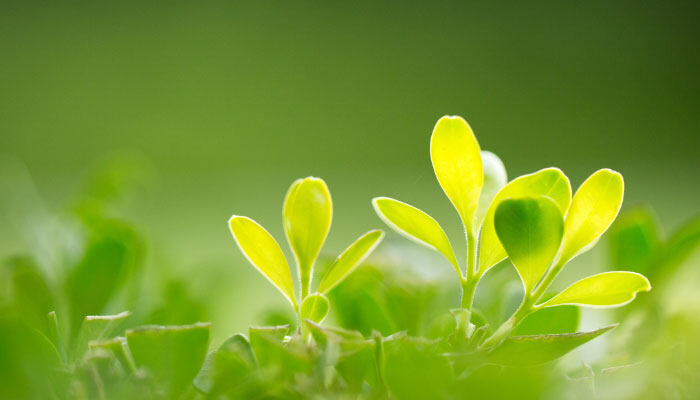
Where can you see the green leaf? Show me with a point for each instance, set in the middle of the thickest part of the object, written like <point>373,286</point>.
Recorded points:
<point>608,289</point>
<point>415,369</point>
<point>456,159</point>
<point>550,182</point>
<point>684,242</point>
<point>172,354</point>
<point>538,349</point>
<point>530,230</point>
<point>119,348</point>
<point>227,367</point>
<point>315,307</point>
<point>563,319</point>
<point>95,328</point>
<point>275,352</point>
<point>634,240</point>
<point>350,259</point>
<point>415,225</point>
<point>307,213</point>
<point>495,178</point>
<point>593,208</point>
<point>263,251</point>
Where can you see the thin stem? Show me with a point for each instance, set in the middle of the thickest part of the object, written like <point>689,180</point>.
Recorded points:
<point>548,279</point>
<point>468,290</point>
<point>503,331</point>
<point>471,254</point>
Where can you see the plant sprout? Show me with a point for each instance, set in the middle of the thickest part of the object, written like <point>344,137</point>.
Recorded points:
<point>532,220</point>
<point>307,215</point>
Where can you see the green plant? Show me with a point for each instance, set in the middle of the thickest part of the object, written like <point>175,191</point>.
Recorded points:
<point>307,215</point>
<point>531,220</point>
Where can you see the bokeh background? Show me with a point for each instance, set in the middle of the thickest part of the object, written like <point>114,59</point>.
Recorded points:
<point>216,108</point>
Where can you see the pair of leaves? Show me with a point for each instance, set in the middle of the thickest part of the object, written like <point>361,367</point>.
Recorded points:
<point>469,177</point>
<point>533,233</point>
<point>307,216</point>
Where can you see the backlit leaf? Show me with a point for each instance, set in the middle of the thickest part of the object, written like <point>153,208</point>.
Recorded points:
<point>550,182</point>
<point>456,159</point>
<point>530,230</point>
<point>414,224</point>
<point>263,251</point>
<point>538,349</point>
<point>350,259</point>
<point>563,319</point>
<point>495,178</point>
<point>593,208</point>
<point>608,289</point>
<point>315,307</point>
<point>307,214</point>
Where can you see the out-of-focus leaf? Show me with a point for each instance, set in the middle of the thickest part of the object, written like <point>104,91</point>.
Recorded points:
<point>350,259</point>
<point>307,214</point>
<point>56,335</point>
<point>178,306</point>
<point>456,159</point>
<point>30,292</point>
<point>538,349</point>
<point>263,251</point>
<point>113,253</point>
<point>549,182</point>
<point>119,349</point>
<point>680,245</point>
<point>277,354</point>
<point>634,240</point>
<point>495,178</point>
<point>315,307</point>
<point>562,319</point>
<point>593,208</point>
<point>415,225</point>
<point>608,289</point>
<point>530,230</point>
<point>172,354</point>
<point>414,368</point>
<point>227,368</point>
<point>96,327</point>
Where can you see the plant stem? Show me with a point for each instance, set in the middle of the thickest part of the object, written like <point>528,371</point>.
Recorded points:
<point>503,331</point>
<point>548,279</point>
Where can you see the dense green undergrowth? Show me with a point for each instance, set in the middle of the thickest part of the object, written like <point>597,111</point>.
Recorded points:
<point>364,325</point>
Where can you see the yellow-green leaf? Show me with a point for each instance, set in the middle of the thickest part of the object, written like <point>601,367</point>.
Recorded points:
<point>416,225</point>
<point>456,159</point>
<point>315,307</point>
<point>350,259</point>
<point>263,251</point>
<point>550,182</point>
<point>308,211</point>
<point>593,208</point>
<point>495,178</point>
<point>530,230</point>
<point>608,289</point>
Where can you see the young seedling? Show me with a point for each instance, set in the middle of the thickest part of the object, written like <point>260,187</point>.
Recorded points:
<point>522,220</point>
<point>307,215</point>
<point>539,242</point>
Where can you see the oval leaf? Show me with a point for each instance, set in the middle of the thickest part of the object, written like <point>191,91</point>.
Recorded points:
<point>350,259</point>
<point>416,225</point>
<point>315,307</point>
<point>307,213</point>
<point>456,159</point>
<point>261,249</point>
<point>593,208</point>
<point>550,182</point>
<point>608,289</point>
<point>495,178</point>
<point>530,230</point>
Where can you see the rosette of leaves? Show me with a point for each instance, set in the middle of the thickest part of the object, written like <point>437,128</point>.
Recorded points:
<point>307,215</point>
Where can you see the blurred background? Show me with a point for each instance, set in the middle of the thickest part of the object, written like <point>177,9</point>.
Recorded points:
<point>209,110</point>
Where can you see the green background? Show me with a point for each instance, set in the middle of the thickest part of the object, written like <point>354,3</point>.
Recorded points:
<point>227,103</point>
